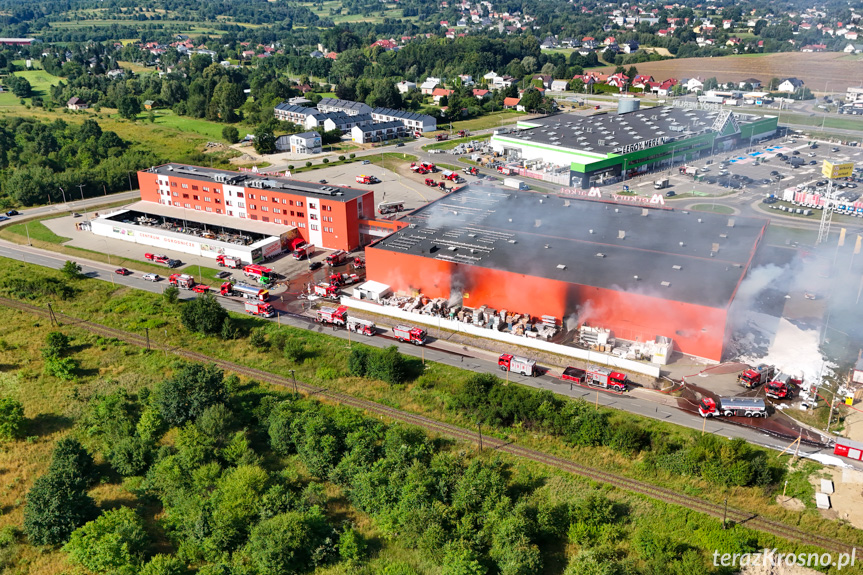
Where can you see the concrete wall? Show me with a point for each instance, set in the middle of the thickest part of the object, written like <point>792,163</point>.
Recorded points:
<point>586,355</point>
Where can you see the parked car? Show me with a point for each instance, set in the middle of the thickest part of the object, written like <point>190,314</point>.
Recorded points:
<point>670,194</point>
<point>151,277</point>
<point>365,162</point>
<point>12,213</point>
<point>122,271</point>
<point>315,265</point>
<point>222,275</point>
<point>76,215</point>
<point>3,218</point>
<point>400,145</point>
<point>174,263</point>
<point>322,181</point>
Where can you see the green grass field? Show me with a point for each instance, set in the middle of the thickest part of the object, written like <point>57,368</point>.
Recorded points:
<point>40,80</point>
<point>720,209</point>
<point>169,119</point>
<point>450,144</point>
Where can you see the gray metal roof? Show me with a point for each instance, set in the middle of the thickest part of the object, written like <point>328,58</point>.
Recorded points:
<point>603,133</point>
<point>262,182</point>
<point>694,257</point>
<point>403,115</point>
<point>380,126</point>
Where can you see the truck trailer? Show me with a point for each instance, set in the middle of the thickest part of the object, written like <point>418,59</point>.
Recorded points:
<point>514,183</point>
<point>244,290</point>
<point>733,406</point>
<point>515,364</point>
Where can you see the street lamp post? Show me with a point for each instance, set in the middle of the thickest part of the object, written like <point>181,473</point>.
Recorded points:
<point>64,194</point>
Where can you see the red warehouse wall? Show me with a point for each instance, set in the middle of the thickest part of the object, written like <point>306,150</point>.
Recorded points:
<point>696,330</point>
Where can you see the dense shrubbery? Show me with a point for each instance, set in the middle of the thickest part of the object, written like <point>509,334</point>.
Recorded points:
<point>384,364</point>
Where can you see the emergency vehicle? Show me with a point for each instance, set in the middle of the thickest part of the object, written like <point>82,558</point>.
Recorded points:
<point>228,261</point>
<point>332,315</point>
<point>515,364</point>
<point>756,376</point>
<point>200,288</point>
<point>244,290</point>
<point>362,326</point>
<point>326,290</point>
<point>304,250</point>
<point>733,406</point>
<point>783,386</point>
<point>363,179</point>
<point>343,279</point>
<point>337,258</point>
<point>183,281</point>
<point>260,308</point>
<point>606,378</point>
<point>390,207</point>
<point>260,273</point>
<point>410,334</point>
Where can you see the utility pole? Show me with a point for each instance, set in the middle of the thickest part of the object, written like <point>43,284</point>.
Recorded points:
<point>147,329</point>
<point>479,428</point>
<point>295,381</point>
<point>725,514</point>
<point>51,316</point>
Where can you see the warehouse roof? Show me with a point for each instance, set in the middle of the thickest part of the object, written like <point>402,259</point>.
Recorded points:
<point>610,133</point>
<point>693,257</point>
<point>261,181</point>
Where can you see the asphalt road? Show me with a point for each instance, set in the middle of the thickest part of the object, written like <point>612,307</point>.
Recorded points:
<point>638,402</point>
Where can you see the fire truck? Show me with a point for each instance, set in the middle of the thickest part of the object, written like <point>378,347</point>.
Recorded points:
<point>200,288</point>
<point>431,182</point>
<point>228,261</point>
<point>390,207</point>
<point>575,374</point>
<point>260,308</point>
<point>361,326</point>
<point>363,179</point>
<point>260,273</point>
<point>337,258</point>
<point>756,376</point>
<point>463,133</point>
<point>506,171</point>
<point>606,378</point>
<point>783,386</point>
<point>412,335</point>
<point>326,290</point>
<point>441,137</point>
<point>304,250</point>
<point>184,281</point>
<point>733,406</point>
<point>515,364</point>
<point>474,171</point>
<point>339,280</point>
<point>244,290</point>
<point>429,166</point>
<point>359,263</point>
<point>158,258</point>
<point>335,316</point>
<point>418,169</point>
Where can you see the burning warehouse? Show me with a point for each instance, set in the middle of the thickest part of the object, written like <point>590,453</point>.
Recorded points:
<point>641,272</point>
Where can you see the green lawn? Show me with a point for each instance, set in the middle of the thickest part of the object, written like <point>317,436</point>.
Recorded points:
<point>391,160</point>
<point>37,231</point>
<point>203,274</point>
<point>168,118</point>
<point>494,120</point>
<point>777,235</point>
<point>40,80</point>
<point>450,144</point>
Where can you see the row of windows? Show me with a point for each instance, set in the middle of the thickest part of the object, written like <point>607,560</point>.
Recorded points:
<point>297,203</point>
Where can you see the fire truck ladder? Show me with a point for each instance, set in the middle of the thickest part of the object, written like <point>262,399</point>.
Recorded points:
<point>827,214</point>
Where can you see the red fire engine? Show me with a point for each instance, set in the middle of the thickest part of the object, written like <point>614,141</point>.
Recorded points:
<point>429,166</point>
<point>184,281</point>
<point>515,364</point>
<point>260,273</point>
<point>158,258</point>
<point>337,258</point>
<point>228,261</point>
<point>335,316</point>
<point>361,326</point>
<point>606,378</point>
<point>359,263</point>
<point>413,335</point>
<point>260,308</point>
<point>451,176</point>
<point>200,288</point>
<point>363,179</point>
<point>326,290</point>
<point>463,133</point>
<point>339,280</point>
<point>474,171</point>
<point>756,376</point>
<point>783,386</point>
<point>733,406</point>
<point>304,250</point>
<point>441,137</point>
<point>418,169</point>
<point>431,182</point>
<point>244,290</point>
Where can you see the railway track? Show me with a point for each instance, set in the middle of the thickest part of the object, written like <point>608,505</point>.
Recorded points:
<point>488,442</point>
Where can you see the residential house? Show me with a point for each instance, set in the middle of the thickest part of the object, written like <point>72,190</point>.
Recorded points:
<point>790,85</point>
<point>511,103</point>
<point>813,48</point>
<point>481,94</point>
<point>663,33</point>
<point>247,54</point>
<point>429,85</point>
<point>76,103</point>
<point>589,43</point>
<point>316,54</point>
<point>549,43</point>
<point>559,85</point>
<point>439,93</point>
<point>385,44</point>
<point>503,82</point>
<point>853,49</point>
<point>664,88</point>
<point>347,106</point>
<point>489,77</point>
<point>641,80</point>
<point>854,95</point>
<point>404,86</point>
<point>149,104</point>
<point>378,132</point>
<point>629,47</point>
<point>466,80</point>
<point>345,123</point>
<point>726,24</point>
<point>619,81</point>
<point>117,73</point>
<point>303,143</point>
<point>415,123</point>
<point>754,82</point>
<point>315,120</point>
<point>331,55</point>
<point>285,112</point>
<point>298,101</point>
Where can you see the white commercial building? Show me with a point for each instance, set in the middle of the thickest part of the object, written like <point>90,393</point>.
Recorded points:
<point>304,143</point>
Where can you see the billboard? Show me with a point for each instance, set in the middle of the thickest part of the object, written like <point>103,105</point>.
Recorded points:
<point>831,170</point>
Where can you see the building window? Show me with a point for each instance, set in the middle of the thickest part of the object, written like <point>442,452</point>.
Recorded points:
<point>314,227</point>
<point>275,200</point>
<point>209,209</point>
<point>186,206</point>
<point>294,224</point>
<point>278,221</point>
<point>291,202</point>
<point>185,196</point>
<point>313,206</point>
<point>206,198</point>
<point>299,204</point>
<point>302,225</point>
<point>251,196</point>
<point>217,190</point>
<point>206,189</point>
<point>240,195</point>
<point>292,213</point>
<point>177,204</point>
<point>253,206</point>
<point>218,200</point>
<point>265,219</point>
<point>174,184</point>
<point>218,211</point>
<point>263,198</point>
<point>301,214</point>
<point>185,186</point>
<point>277,211</point>
<point>195,198</point>
<point>229,203</point>
<point>197,207</point>
<point>241,204</point>
<point>175,194</point>
<point>194,187</point>
<point>253,217</point>
<point>265,209</point>
<point>313,217</point>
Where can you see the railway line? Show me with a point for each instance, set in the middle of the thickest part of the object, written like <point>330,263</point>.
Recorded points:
<point>742,517</point>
